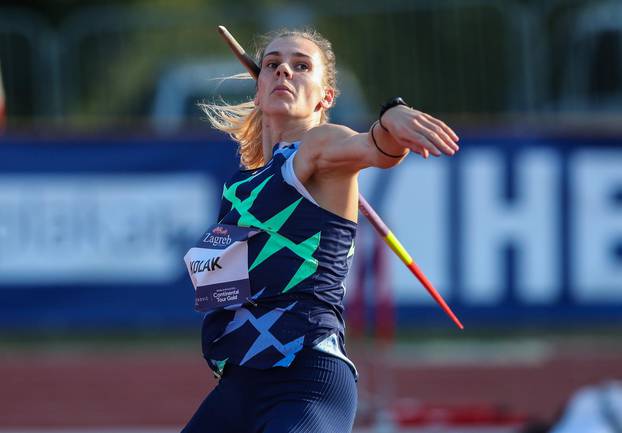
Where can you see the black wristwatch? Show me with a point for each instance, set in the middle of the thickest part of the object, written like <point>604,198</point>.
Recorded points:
<point>388,105</point>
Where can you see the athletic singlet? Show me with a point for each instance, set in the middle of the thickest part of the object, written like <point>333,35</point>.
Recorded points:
<point>297,264</point>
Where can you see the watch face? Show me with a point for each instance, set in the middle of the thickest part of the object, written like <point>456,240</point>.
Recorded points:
<point>392,103</point>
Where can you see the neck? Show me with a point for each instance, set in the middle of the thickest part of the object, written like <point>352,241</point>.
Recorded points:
<point>277,129</point>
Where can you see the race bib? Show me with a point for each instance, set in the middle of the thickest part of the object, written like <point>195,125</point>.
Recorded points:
<point>218,267</point>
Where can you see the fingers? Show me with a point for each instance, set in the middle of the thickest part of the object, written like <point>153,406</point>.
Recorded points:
<point>446,134</point>
<point>422,133</point>
<point>424,152</point>
<point>417,134</point>
<point>420,144</point>
<point>435,140</point>
<point>429,143</point>
<point>433,134</point>
<point>443,126</point>
<point>417,142</point>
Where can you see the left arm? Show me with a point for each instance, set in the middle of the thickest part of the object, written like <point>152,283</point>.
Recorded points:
<point>337,149</point>
<point>330,156</point>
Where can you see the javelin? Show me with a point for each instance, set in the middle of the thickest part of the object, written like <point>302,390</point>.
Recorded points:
<point>381,228</point>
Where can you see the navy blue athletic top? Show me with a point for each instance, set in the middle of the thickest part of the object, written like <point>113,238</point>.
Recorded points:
<point>297,266</point>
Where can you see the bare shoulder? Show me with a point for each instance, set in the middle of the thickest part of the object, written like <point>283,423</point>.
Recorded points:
<point>328,133</point>
<point>333,149</point>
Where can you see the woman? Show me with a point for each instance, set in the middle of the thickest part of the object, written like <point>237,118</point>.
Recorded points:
<point>270,274</point>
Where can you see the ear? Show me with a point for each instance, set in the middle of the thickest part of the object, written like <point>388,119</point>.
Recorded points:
<point>329,97</point>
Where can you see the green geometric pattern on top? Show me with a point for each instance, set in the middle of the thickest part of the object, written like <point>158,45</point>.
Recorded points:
<point>220,365</point>
<point>276,241</point>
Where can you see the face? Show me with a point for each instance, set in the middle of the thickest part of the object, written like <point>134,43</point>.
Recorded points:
<point>291,81</point>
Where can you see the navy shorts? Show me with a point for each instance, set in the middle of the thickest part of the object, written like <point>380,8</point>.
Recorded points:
<point>316,394</point>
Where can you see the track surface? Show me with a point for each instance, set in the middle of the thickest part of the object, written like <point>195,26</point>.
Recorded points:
<point>162,387</point>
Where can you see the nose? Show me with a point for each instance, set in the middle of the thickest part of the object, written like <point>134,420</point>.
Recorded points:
<point>284,69</point>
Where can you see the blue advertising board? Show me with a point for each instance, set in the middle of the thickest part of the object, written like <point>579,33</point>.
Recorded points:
<point>512,230</point>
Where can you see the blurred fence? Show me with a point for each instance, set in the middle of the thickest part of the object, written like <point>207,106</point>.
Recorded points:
<point>104,64</point>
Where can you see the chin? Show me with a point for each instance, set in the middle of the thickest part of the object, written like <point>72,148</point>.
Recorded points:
<point>278,109</point>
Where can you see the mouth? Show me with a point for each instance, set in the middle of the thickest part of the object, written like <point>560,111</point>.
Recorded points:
<point>282,89</point>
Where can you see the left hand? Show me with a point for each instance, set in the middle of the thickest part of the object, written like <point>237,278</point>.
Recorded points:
<point>420,132</point>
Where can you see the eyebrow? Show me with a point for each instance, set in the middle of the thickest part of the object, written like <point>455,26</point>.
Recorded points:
<point>278,53</point>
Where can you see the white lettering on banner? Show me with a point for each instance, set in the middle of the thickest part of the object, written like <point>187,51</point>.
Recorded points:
<point>93,228</point>
<point>596,221</point>
<point>529,223</point>
<point>418,213</point>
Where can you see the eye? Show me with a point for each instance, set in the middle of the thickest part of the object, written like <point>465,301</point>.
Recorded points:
<point>271,65</point>
<point>302,67</point>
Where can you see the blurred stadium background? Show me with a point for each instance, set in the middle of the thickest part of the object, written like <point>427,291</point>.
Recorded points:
<point>108,174</point>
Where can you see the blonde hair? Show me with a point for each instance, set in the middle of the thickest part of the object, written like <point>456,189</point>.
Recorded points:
<point>243,121</point>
